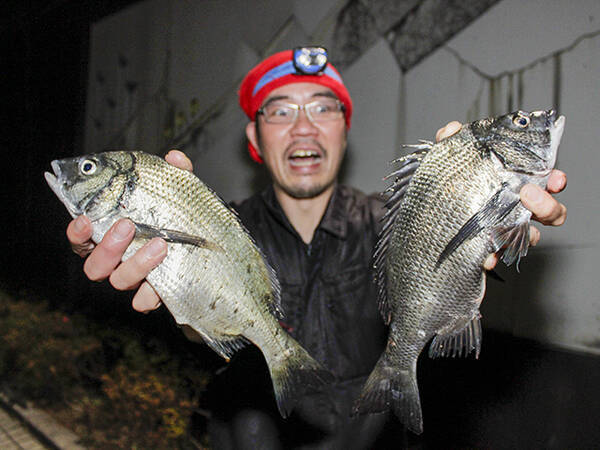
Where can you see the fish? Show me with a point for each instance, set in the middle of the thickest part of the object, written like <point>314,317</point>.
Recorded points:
<point>451,204</point>
<point>214,279</point>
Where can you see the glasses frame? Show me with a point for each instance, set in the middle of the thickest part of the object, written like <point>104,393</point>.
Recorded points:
<point>306,108</point>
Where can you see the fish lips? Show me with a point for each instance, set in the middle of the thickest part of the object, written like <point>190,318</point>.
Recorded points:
<point>556,131</point>
<point>546,120</point>
<point>57,184</point>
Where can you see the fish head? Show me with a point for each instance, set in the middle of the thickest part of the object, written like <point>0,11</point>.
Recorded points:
<point>523,141</point>
<point>92,185</point>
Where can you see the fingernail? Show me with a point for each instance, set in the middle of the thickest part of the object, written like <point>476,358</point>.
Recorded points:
<point>79,224</point>
<point>156,247</point>
<point>122,230</point>
<point>533,193</point>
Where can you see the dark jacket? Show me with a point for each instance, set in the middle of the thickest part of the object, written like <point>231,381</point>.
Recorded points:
<point>328,298</point>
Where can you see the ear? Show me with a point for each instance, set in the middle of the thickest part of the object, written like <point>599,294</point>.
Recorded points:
<point>252,136</point>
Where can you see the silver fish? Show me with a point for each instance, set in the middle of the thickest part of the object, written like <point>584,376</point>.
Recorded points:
<point>451,205</point>
<point>214,278</point>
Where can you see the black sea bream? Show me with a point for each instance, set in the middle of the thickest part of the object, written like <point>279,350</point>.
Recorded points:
<point>452,204</point>
<point>214,278</point>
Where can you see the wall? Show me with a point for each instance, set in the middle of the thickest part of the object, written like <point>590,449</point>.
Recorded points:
<point>556,297</point>
<point>188,58</point>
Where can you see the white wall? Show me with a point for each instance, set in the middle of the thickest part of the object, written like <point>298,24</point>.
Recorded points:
<point>213,43</point>
<point>556,297</point>
<point>190,51</point>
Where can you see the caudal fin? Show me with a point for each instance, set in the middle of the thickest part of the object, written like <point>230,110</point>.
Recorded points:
<point>293,375</point>
<point>390,387</point>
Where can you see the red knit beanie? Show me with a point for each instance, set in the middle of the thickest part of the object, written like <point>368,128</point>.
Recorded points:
<point>278,70</point>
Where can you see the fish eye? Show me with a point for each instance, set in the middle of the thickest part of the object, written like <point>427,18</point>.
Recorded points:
<point>88,167</point>
<point>521,121</point>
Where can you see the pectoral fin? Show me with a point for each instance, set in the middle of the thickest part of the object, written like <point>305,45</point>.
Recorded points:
<point>513,240</point>
<point>492,213</point>
<point>149,232</point>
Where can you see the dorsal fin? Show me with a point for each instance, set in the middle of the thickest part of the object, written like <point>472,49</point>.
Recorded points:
<point>395,193</point>
<point>274,301</point>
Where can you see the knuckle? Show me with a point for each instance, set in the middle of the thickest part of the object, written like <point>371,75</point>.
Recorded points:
<point>92,272</point>
<point>117,281</point>
<point>562,217</point>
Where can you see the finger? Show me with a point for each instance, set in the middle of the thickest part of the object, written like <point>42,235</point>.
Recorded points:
<point>557,181</point>
<point>131,272</point>
<point>145,299</point>
<point>534,236</point>
<point>545,208</point>
<point>179,159</point>
<point>447,131</point>
<point>107,255</point>
<point>79,234</point>
<point>490,262</point>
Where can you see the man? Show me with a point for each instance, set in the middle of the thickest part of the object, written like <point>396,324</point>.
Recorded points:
<point>318,235</point>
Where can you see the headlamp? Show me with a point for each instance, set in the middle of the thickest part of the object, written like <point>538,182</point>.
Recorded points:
<point>310,60</point>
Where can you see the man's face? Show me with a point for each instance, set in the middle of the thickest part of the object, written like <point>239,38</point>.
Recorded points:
<point>303,157</point>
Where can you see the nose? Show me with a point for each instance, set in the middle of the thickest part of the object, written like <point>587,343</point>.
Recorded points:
<point>303,125</point>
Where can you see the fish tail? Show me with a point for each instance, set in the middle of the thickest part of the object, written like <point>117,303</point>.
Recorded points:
<point>392,387</point>
<point>293,375</point>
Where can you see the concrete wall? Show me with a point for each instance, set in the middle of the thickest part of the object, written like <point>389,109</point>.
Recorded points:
<point>188,58</point>
<point>556,297</point>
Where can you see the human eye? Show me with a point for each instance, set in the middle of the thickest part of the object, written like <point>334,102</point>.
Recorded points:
<point>324,108</point>
<point>278,111</point>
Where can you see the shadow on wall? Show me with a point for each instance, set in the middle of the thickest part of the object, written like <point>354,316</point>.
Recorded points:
<point>516,305</point>
<point>532,317</point>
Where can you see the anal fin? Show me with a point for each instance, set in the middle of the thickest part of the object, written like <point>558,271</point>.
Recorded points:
<point>225,346</point>
<point>459,343</point>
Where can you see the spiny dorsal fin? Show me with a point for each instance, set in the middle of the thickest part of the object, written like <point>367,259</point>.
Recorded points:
<point>274,301</point>
<point>275,305</point>
<point>395,193</point>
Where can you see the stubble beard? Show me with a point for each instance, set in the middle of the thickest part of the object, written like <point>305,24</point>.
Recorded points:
<point>298,192</point>
<point>308,192</point>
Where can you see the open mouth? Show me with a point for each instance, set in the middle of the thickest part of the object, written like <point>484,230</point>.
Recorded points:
<point>55,183</point>
<point>52,180</point>
<point>303,158</point>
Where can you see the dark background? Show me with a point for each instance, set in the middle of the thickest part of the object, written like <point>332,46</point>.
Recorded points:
<point>45,56</point>
<point>520,394</point>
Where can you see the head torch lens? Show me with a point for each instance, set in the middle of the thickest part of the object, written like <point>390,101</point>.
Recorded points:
<point>310,60</point>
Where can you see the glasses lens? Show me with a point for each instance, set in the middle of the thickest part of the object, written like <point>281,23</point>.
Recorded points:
<point>318,111</point>
<point>279,113</point>
<point>325,109</point>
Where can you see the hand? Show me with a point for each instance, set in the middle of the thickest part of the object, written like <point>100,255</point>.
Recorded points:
<point>104,260</point>
<point>545,208</point>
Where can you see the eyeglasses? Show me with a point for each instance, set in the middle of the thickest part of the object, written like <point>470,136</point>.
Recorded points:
<point>321,110</point>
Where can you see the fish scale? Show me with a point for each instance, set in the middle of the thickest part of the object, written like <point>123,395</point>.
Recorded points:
<point>214,279</point>
<point>461,204</point>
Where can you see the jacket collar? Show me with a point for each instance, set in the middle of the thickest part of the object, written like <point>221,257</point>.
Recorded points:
<point>334,220</point>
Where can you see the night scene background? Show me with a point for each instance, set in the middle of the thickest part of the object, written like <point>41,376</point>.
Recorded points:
<point>84,76</point>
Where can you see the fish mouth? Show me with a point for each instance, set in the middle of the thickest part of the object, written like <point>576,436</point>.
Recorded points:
<point>556,131</point>
<point>58,187</point>
<point>559,124</point>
